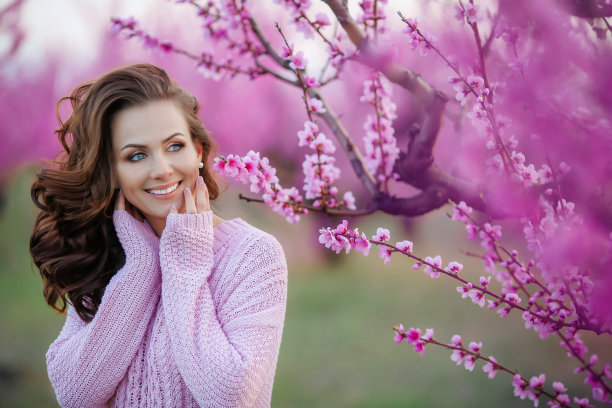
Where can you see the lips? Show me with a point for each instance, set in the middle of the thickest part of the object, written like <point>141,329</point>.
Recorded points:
<point>163,190</point>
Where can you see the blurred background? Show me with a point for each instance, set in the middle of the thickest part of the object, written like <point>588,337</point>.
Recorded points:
<point>338,348</point>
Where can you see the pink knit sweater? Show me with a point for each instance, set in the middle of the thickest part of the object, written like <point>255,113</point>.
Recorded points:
<point>192,319</point>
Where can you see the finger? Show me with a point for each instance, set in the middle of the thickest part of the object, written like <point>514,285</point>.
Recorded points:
<point>120,201</point>
<point>134,212</point>
<point>201,196</point>
<point>190,207</point>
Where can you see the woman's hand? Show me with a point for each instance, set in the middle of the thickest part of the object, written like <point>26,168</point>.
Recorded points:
<point>136,236</point>
<point>198,204</point>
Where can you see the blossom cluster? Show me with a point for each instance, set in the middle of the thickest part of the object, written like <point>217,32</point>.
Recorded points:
<point>380,143</point>
<point>209,64</point>
<point>262,177</point>
<point>559,304</point>
<point>531,389</point>
<point>319,169</point>
<point>373,16</point>
<point>310,26</point>
<point>421,40</point>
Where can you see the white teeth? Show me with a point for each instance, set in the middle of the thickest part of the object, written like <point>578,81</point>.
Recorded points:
<point>166,191</point>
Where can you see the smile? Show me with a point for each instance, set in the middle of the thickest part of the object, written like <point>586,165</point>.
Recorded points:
<point>164,191</point>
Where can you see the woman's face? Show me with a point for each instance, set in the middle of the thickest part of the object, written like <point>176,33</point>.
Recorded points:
<point>155,158</point>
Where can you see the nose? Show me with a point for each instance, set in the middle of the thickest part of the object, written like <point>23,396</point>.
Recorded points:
<point>162,168</point>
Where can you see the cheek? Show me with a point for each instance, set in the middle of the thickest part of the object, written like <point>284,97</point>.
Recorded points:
<point>128,178</point>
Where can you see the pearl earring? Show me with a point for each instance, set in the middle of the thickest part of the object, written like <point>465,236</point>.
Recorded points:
<point>201,165</point>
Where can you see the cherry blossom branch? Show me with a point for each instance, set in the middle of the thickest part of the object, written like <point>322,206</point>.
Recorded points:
<point>205,59</point>
<point>343,137</point>
<point>268,47</point>
<point>411,81</point>
<point>469,86</point>
<point>342,238</point>
<point>594,378</point>
<point>523,388</point>
<point>481,53</point>
<point>310,208</point>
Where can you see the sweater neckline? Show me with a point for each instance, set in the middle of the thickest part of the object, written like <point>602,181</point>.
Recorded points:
<point>226,230</point>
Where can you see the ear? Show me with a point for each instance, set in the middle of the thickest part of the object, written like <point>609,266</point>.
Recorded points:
<point>199,151</point>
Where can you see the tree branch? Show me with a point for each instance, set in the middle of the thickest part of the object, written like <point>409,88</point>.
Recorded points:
<point>267,46</point>
<point>409,80</point>
<point>587,8</point>
<point>429,199</point>
<point>328,211</point>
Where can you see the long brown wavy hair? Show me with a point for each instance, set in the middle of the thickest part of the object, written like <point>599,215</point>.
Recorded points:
<point>74,243</point>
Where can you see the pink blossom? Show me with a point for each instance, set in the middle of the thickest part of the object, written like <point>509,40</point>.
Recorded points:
<point>477,297</point>
<point>326,237</point>
<point>461,211</point>
<point>405,246</point>
<point>316,105</point>
<point>362,244</point>
<point>400,334</point>
<point>464,290</point>
<point>413,335</point>
<point>287,52</point>
<point>454,267</point>
<point>385,254</point>
<point>484,281</point>
<point>166,46</point>
<point>307,135</point>
<point>471,231</point>
<point>429,333</point>
<point>419,347</point>
<point>520,387</point>
<point>607,371</point>
<point>382,235</point>
<point>219,166</point>
<point>311,82</point>
<point>537,382</point>
<point>233,165</point>
<point>348,200</point>
<point>435,262</point>
<point>297,60</point>
<point>472,14</point>
<point>342,228</point>
<point>322,19</point>
<point>582,402</point>
<point>559,387</point>
<point>475,347</point>
<point>458,356</point>
<point>491,367</point>
<point>456,340</point>
<point>303,26</point>
<point>469,362</point>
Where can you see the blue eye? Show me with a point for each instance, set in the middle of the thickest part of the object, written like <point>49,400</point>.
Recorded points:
<point>176,146</point>
<point>136,157</point>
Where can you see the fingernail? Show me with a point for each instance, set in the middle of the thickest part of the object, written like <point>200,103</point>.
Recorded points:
<point>173,207</point>
<point>188,190</point>
<point>200,180</point>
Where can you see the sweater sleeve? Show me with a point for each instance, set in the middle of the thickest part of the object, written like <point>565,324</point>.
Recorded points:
<point>88,360</point>
<point>226,351</point>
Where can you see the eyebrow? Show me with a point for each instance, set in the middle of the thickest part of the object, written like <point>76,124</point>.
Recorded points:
<point>143,146</point>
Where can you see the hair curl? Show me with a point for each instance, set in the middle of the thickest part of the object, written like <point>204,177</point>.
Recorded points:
<point>74,243</point>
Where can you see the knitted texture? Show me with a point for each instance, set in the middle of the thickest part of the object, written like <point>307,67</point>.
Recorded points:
<point>192,319</point>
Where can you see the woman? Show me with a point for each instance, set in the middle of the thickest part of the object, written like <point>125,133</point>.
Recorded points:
<point>168,304</point>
